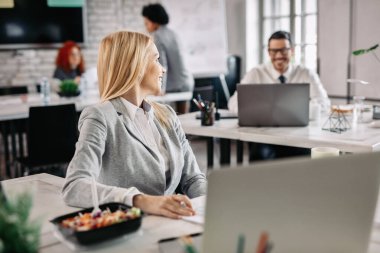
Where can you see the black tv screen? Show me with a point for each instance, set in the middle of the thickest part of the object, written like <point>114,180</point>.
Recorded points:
<point>33,24</point>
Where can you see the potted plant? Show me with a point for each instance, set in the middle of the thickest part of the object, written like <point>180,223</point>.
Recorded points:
<point>68,88</point>
<point>18,234</point>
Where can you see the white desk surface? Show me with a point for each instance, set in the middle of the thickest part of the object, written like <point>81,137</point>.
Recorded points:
<point>361,139</point>
<point>17,106</point>
<point>48,204</point>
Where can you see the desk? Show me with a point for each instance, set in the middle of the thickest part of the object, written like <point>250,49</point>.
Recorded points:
<point>48,203</point>
<point>361,139</point>
<point>14,112</point>
<point>17,107</point>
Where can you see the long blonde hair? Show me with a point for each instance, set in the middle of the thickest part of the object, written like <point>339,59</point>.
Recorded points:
<point>122,63</point>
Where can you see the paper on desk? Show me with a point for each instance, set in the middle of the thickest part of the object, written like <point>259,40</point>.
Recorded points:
<point>199,207</point>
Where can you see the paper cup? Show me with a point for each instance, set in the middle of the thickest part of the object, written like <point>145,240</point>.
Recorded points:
<point>319,152</point>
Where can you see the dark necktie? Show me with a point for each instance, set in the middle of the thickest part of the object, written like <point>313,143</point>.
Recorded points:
<point>282,79</point>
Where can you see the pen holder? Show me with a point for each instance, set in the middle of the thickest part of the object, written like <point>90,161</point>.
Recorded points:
<point>207,117</point>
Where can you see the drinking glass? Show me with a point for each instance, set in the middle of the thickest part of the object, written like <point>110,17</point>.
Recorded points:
<point>358,109</point>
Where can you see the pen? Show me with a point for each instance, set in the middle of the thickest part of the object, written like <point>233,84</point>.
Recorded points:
<point>188,243</point>
<point>241,243</point>
<point>262,247</point>
<point>182,203</point>
<point>175,238</point>
<point>197,104</point>
<point>200,100</point>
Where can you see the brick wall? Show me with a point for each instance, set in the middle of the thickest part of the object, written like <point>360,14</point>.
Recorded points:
<point>26,67</point>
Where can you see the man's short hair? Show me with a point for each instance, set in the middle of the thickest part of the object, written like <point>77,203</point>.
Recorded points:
<point>156,13</point>
<point>281,35</point>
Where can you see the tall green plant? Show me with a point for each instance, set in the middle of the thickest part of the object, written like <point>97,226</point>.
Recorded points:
<point>17,233</point>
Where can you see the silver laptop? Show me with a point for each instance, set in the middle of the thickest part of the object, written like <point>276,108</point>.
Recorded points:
<point>273,105</point>
<point>322,205</point>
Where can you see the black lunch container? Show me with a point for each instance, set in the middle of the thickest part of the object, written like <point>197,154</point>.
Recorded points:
<point>99,234</point>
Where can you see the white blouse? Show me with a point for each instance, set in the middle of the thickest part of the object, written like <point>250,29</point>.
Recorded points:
<point>142,121</point>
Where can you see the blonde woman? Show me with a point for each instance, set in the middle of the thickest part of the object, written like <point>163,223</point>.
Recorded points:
<point>135,149</point>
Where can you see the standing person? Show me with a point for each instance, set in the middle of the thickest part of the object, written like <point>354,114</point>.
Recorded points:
<point>280,70</point>
<point>136,150</point>
<point>178,77</point>
<point>69,62</point>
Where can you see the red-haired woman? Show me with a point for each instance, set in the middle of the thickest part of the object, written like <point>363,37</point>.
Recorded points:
<point>69,62</point>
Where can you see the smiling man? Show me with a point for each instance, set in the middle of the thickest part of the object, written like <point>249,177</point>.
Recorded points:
<point>280,70</point>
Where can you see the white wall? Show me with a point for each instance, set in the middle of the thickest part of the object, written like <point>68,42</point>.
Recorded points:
<point>252,34</point>
<point>366,34</point>
<point>333,42</point>
<point>236,27</point>
<point>336,45</point>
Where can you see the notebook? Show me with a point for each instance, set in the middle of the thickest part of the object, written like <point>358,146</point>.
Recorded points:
<point>273,105</point>
<point>321,205</point>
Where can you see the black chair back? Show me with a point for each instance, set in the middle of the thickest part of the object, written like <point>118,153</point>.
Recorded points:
<point>208,86</point>
<point>13,90</point>
<point>233,76</point>
<point>52,134</point>
<point>204,87</point>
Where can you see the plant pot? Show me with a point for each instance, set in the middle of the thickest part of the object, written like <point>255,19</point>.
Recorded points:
<point>69,94</point>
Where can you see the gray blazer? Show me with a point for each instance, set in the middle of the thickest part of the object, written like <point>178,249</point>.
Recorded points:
<point>178,76</point>
<point>122,164</point>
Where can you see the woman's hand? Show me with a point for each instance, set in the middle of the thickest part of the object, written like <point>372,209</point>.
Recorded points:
<point>174,206</point>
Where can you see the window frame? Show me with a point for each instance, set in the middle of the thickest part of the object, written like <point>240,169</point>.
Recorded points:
<point>292,29</point>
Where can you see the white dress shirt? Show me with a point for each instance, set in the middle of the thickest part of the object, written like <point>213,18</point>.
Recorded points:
<point>266,74</point>
<point>142,120</point>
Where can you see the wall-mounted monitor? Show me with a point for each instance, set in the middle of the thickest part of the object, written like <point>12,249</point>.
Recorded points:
<point>34,24</point>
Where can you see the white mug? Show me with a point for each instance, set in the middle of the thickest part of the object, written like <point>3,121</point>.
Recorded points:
<point>319,152</point>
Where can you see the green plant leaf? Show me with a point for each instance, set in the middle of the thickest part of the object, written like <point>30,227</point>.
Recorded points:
<point>359,52</point>
<point>18,234</point>
<point>372,48</point>
<point>364,51</point>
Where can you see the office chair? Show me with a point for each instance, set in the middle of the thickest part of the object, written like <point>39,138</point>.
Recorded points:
<point>51,134</point>
<point>203,87</point>
<point>13,90</point>
<point>208,86</point>
<point>11,128</point>
<point>233,75</point>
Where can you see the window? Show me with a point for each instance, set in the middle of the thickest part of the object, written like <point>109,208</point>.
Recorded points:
<point>299,17</point>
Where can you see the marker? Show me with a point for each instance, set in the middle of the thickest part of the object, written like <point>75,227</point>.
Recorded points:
<point>197,104</point>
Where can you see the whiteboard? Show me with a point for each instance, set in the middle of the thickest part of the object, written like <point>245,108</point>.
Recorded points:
<point>201,28</point>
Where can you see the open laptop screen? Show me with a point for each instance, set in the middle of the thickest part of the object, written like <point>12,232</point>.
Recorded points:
<point>273,105</point>
<point>304,205</point>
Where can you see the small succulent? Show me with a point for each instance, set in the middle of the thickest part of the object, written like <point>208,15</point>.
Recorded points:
<point>69,87</point>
